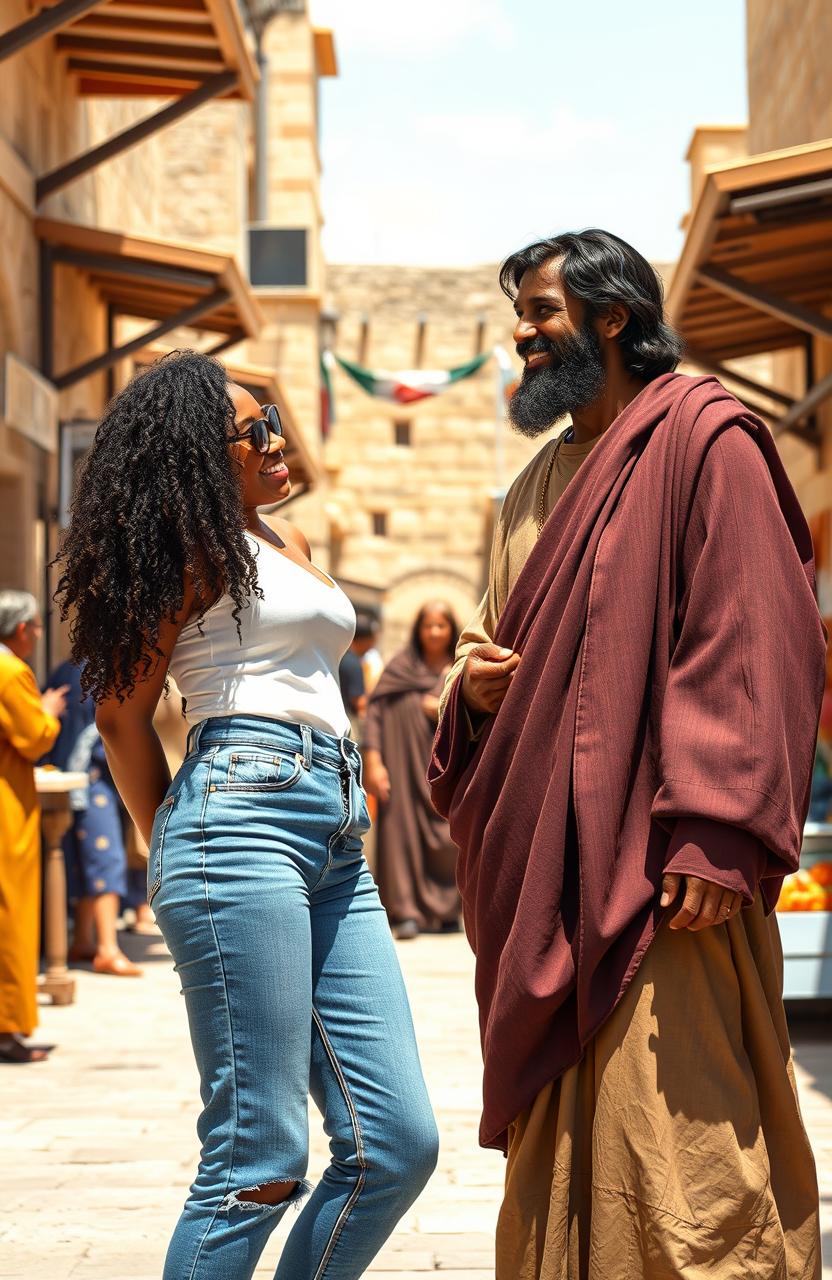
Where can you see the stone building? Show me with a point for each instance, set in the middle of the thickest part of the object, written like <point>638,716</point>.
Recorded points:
<point>411,488</point>
<point>117,236</point>
<point>753,288</point>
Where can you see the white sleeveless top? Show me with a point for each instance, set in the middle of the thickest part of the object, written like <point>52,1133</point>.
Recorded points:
<point>287,664</point>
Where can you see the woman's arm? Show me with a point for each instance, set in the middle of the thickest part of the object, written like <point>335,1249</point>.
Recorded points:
<point>134,752</point>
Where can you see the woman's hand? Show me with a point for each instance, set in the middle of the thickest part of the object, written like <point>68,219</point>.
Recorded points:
<point>376,780</point>
<point>430,706</point>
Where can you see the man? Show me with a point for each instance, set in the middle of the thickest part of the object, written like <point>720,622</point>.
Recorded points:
<point>625,754</point>
<point>29,725</point>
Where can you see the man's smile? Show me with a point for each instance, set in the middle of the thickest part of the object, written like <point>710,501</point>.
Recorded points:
<point>536,358</point>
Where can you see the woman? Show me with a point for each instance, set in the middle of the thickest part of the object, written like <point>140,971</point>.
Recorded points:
<point>416,859</point>
<point>94,847</point>
<point>255,870</point>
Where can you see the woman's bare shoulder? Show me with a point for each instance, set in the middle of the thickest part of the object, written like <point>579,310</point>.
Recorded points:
<point>289,533</point>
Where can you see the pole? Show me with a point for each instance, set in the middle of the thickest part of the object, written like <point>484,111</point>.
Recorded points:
<point>261,138</point>
<point>504,374</point>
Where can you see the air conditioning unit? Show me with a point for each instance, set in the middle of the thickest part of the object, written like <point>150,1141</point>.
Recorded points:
<point>277,257</point>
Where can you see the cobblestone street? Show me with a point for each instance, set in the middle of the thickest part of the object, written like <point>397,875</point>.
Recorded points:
<point>99,1143</point>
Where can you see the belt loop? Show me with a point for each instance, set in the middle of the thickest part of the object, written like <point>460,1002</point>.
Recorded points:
<point>306,739</point>
<point>195,735</point>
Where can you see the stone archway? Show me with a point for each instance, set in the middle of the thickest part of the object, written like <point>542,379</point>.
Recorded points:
<point>406,595</point>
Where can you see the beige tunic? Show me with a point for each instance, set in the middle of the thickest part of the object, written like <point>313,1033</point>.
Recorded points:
<point>514,538</point>
<point>675,1148</point>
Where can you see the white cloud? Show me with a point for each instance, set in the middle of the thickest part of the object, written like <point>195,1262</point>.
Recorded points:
<point>396,27</point>
<point>464,187</point>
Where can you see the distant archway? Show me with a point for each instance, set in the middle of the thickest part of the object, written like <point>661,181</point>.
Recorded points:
<point>408,593</point>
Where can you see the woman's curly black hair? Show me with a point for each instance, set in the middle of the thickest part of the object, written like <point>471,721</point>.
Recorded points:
<point>157,497</point>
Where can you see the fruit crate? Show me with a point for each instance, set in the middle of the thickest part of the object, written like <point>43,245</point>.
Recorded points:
<point>807,935</point>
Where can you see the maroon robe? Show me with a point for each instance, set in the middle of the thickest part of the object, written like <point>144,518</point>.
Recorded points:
<point>669,692</point>
<point>416,858</point>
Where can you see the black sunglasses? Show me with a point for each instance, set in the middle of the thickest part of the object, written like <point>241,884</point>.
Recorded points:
<point>261,431</point>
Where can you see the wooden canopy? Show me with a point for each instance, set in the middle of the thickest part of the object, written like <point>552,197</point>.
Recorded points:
<point>128,48</point>
<point>755,273</point>
<point>172,284</point>
<point>757,262</point>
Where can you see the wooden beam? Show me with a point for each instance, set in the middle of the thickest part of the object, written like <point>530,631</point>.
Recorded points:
<point>142,52</point>
<point>805,408</point>
<point>107,80</point>
<point>115,264</point>
<point>764,300</point>
<point>108,358</point>
<point>182,10</point>
<point>115,146</point>
<point>43,24</point>
<point>105,26</point>
<point>705,361</point>
<point>231,340</point>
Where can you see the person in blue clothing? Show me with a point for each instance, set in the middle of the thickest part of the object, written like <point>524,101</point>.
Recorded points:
<point>94,848</point>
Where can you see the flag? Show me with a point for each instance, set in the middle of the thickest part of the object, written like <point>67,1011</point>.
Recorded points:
<point>409,385</point>
<point>327,399</point>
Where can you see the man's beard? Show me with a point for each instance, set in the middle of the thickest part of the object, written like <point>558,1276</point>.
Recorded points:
<point>575,378</point>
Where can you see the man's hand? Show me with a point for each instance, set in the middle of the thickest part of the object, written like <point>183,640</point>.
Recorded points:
<point>53,701</point>
<point>704,903</point>
<point>486,676</point>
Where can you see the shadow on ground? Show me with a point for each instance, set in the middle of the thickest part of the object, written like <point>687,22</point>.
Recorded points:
<point>810,1027</point>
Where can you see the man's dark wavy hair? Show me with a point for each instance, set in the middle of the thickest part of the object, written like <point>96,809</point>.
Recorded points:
<point>599,269</point>
<point>158,496</point>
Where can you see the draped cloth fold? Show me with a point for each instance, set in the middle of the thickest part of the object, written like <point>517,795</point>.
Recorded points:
<point>672,667</point>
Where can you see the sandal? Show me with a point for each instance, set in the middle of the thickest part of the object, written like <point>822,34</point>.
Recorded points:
<point>18,1053</point>
<point>117,966</point>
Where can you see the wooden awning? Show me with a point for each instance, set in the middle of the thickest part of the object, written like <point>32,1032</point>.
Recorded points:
<point>755,273</point>
<point>172,284</point>
<point>187,51</point>
<point>129,48</point>
<point>267,388</point>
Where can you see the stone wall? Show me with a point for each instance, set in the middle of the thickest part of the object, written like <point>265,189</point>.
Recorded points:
<point>434,493</point>
<point>789,99</point>
<point>42,124</point>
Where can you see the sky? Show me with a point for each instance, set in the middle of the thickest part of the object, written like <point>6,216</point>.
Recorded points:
<point>458,130</point>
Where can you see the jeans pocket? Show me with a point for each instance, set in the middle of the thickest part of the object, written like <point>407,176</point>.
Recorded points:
<point>157,841</point>
<point>260,771</point>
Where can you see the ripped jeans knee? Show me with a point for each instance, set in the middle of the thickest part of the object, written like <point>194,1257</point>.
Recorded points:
<point>264,1196</point>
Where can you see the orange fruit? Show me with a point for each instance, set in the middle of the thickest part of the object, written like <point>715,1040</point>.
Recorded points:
<point>821,873</point>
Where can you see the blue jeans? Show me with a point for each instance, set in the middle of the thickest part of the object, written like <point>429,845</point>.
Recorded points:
<point>292,988</point>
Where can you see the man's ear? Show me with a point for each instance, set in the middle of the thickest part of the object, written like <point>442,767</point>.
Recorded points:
<point>613,320</point>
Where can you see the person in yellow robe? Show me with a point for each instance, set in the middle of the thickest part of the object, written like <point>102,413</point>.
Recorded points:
<point>29,725</point>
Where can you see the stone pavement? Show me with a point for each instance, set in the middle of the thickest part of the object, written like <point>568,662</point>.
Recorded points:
<point>98,1144</point>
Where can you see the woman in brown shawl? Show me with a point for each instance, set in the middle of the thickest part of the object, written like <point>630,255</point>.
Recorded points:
<point>416,859</point>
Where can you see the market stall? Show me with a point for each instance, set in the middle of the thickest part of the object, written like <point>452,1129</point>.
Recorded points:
<point>804,914</point>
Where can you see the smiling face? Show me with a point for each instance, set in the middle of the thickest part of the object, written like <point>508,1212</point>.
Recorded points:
<point>435,632</point>
<point>264,477</point>
<point>561,350</point>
